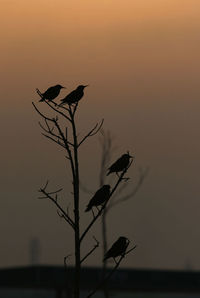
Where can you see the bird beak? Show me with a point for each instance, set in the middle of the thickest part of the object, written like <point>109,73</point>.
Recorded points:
<point>129,154</point>
<point>64,87</point>
<point>86,86</point>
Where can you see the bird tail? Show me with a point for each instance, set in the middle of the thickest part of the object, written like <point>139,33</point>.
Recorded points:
<point>40,94</point>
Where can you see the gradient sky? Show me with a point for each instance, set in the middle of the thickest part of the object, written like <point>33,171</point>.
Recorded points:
<point>141,60</point>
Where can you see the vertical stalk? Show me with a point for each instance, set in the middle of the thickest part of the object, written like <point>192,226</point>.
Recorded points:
<point>105,248</point>
<point>76,211</point>
<point>103,223</point>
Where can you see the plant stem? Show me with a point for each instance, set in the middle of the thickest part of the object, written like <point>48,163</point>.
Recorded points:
<point>76,211</point>
<point>105,248</point>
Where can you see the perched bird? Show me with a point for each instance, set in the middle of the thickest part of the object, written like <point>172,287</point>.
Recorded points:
<point>101,196</point>
<point>50,93</point>
<point>120,164</point>
<point>74,96</point>
<point>117,249</point>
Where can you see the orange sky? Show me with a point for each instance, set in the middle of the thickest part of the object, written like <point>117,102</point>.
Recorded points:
<point>141,60</point>
<point>72,41</point>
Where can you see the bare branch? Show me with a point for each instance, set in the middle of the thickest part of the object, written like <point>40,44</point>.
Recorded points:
<point>62,137</point>
<point>92,132</point>
<point>110,273</point>
<point>55,121</point>
<point>132,193</point>
<point>41,114</point>
<point>52,139</point>
<point>121,177</point>
<point>48,130</point>
<point>57,137</point>
<point>55,192</point>
<point>46,185</point>
<point>57,110</point>
<point>55,130</point>
<point>39,93</point>
<point>53,107</point>
<point>91,251</point>
<point>127,252</point>
<point>48,195</point>
<point>72,111</point>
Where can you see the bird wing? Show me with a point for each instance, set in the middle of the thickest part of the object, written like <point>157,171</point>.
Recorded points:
<point>114,248</point>
<point>116,165</point>
<point>69,97</point>
<point>48,91</point>
<point>97,197</point>
<point>94,200</point>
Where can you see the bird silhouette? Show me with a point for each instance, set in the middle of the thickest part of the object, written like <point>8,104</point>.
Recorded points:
<point>51,93</point>
<point>74,96</point>
<point>120,165</point>
<point>101,196</point>
<point>117,249</point>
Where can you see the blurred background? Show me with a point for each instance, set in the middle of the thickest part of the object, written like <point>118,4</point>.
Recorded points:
<point>141,61</point>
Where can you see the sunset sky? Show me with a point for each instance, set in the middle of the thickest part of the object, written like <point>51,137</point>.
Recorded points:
<point>141,59</point>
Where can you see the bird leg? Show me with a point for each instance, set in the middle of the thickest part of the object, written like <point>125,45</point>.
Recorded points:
<point>93,213</point>
<point>122,178</point>
<point>97,208</point>
<point>125,178</point>
<point>115,261</point>
<point>117,174</point>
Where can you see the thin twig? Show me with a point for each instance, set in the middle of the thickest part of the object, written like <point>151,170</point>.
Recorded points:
<point>52,139</point>
<point>56,110</point>
<point>92,132</point>
<point>110,273</point>
<point>91,251</point>
<point>121,177</point>
<point>131,194</point>
<point>50,130</point>
<point>55,104</point>
<point>41,114</point>
<point>47,195</point>
<point>53,120</point>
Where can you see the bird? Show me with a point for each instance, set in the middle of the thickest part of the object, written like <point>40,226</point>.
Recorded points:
<point>117,249</point>
<point>50,93</point>
<point>120,165</point>
<point>74,96</point>
<point>101,196</point>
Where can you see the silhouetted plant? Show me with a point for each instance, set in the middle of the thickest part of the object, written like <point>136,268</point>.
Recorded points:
<point>107,150</point>
<point>61,129</point>
<point>120,196</point>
